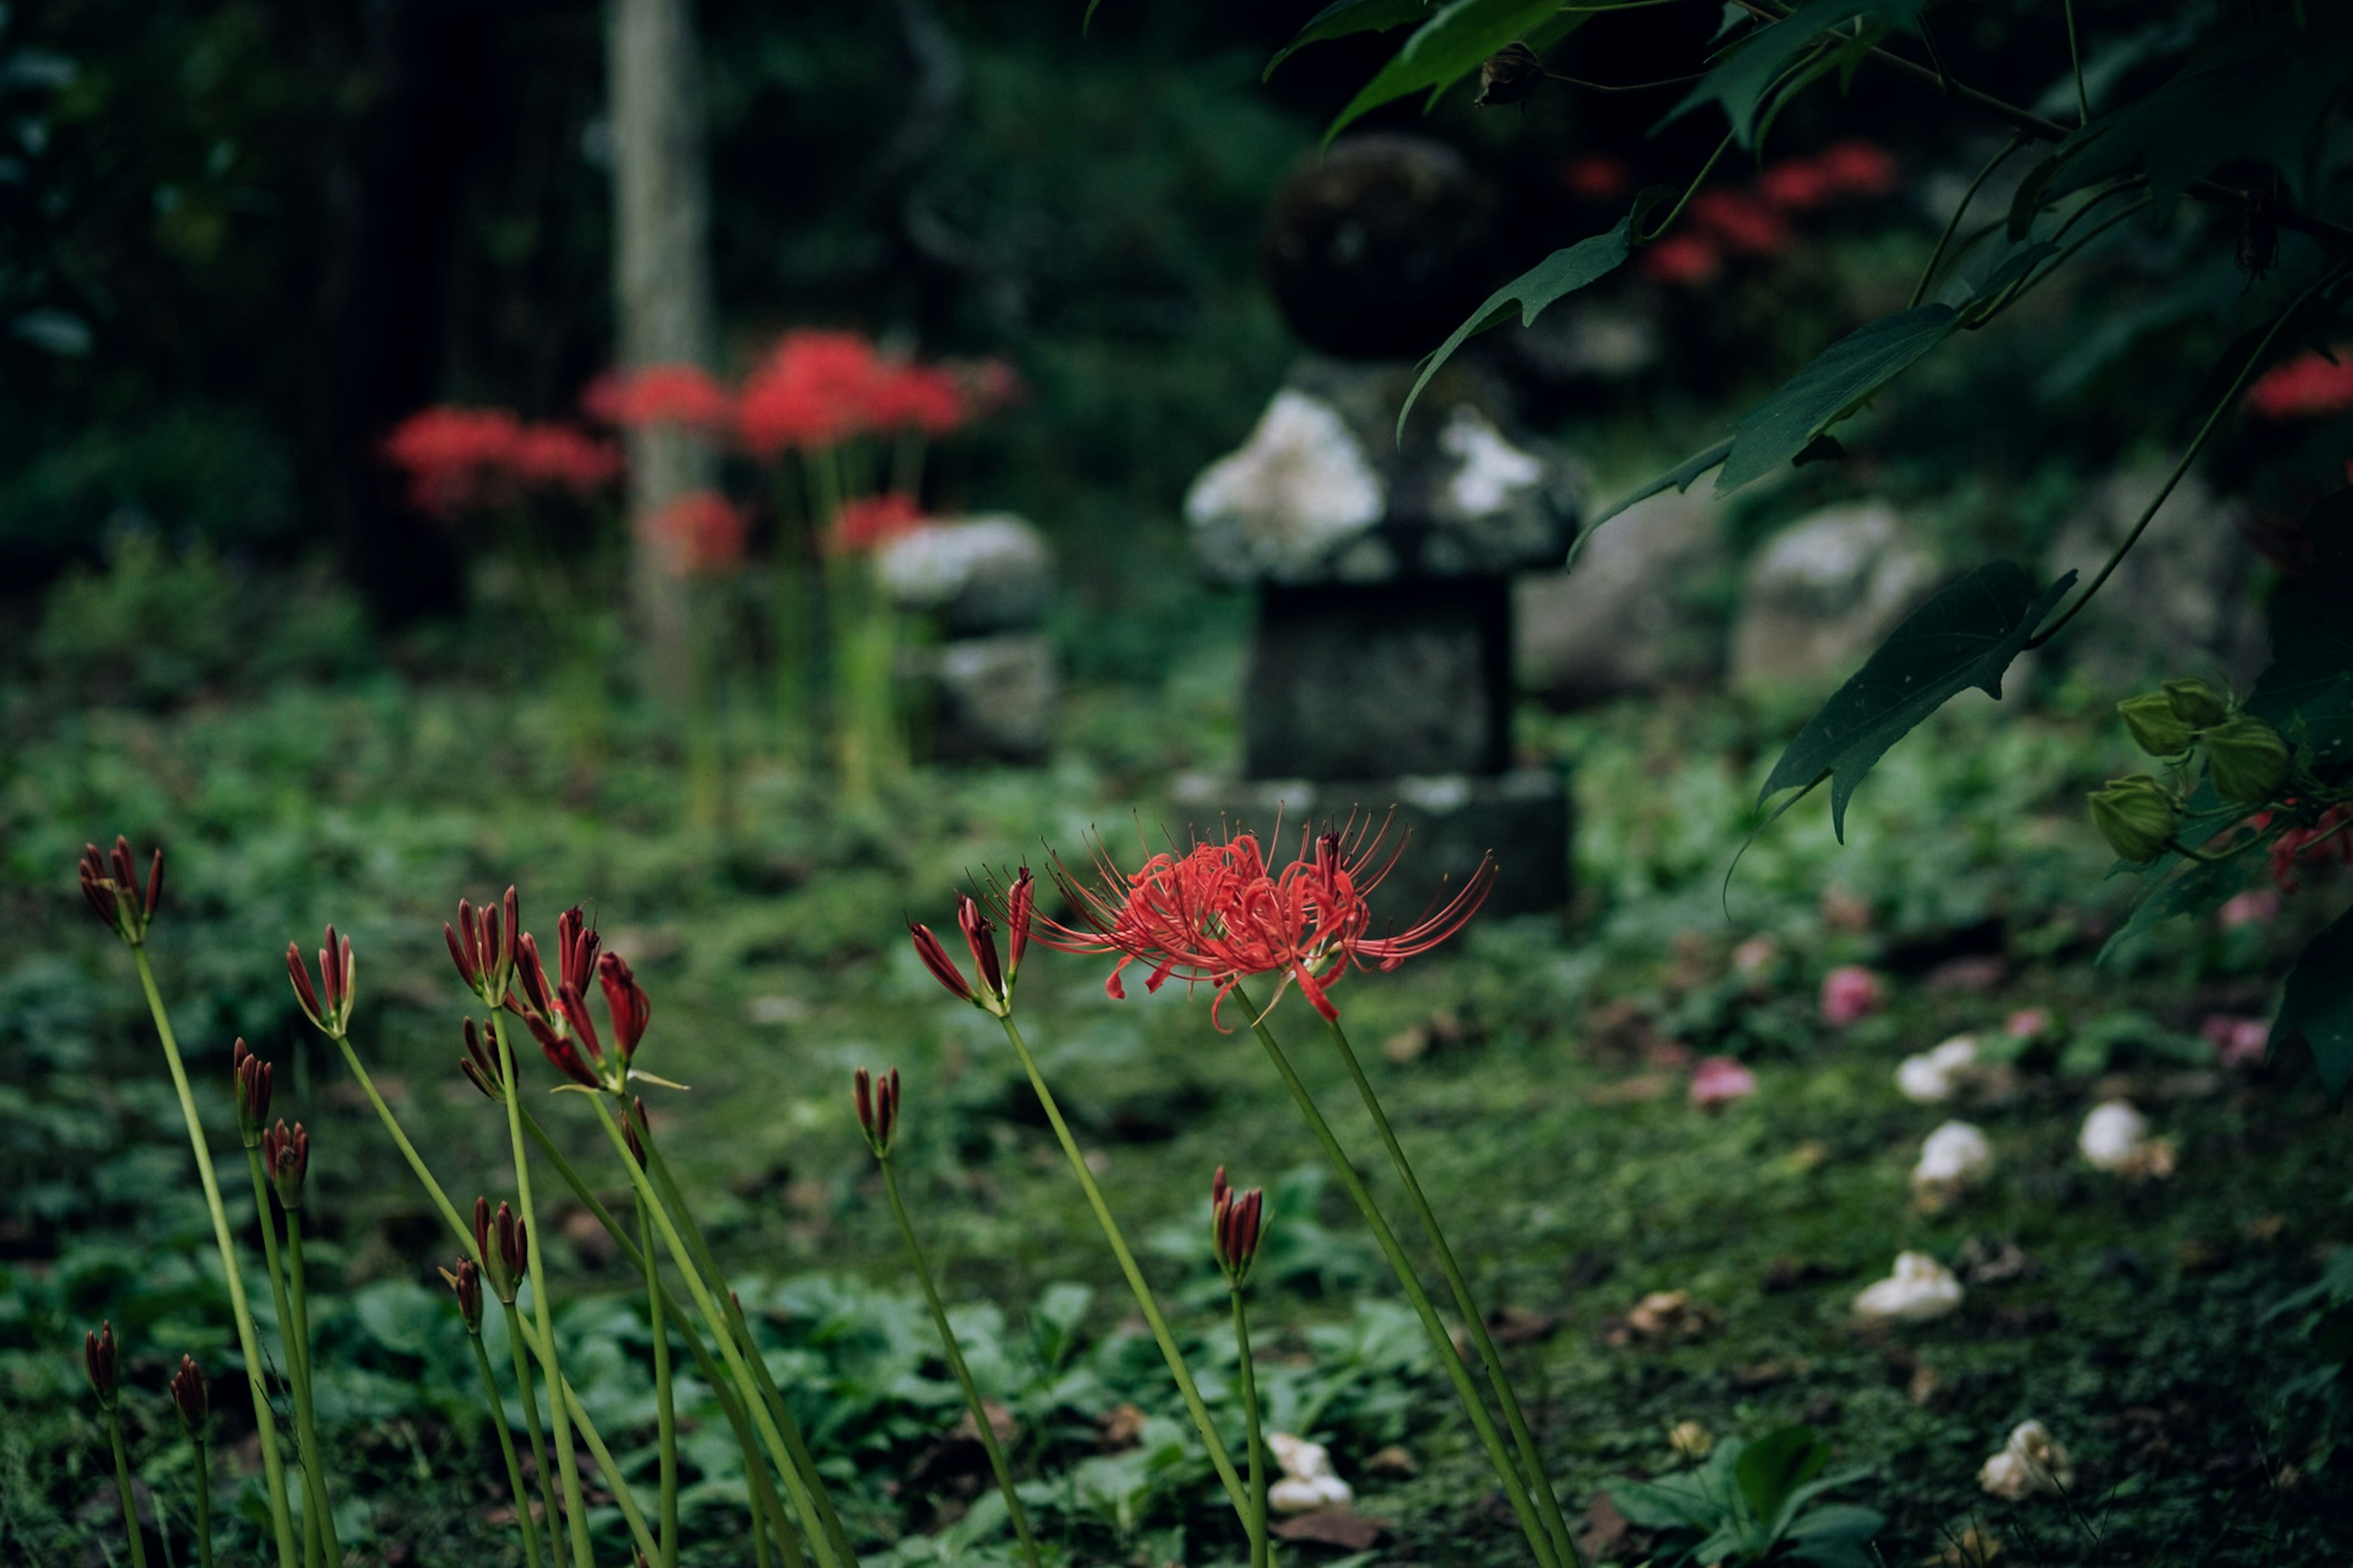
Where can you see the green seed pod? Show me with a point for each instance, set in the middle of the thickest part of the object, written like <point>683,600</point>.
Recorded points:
<point>2136,816</point>
<point>2247,759</point>
<point>2197,704</point>
<point>2156,727</point>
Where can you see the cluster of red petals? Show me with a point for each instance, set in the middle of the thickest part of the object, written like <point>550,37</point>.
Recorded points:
<point>700,534</point>
<point>1219,913</point>
<point>872,521</point>
<point>1595,178</point>
<point>657,394</point>
<point>457,459</point>
<point>2327,843</point>
<point>1755,222</point>
<point>817,389</point>
<point>2309,387</point>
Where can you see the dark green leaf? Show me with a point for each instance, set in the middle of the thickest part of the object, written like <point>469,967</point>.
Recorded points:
<point>1775,1465</point>
<point>2189,888</point>
<point>1826,391</point>
<point>2307,689</point>
<point>1682,477</point>
<point>1966,636</point>
<point>1820,449</point>
<point>1662,1505</point>
<point>2319,1004</point>
<point>1835,1537</point>
<point>1562,273</point>
<point>1445,49</point>
<point>1343,18</point>
<point>1740,83</point>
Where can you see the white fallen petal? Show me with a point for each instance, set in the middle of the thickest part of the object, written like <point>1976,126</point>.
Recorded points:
<point>1920,1290</point>
<point>1296,1496</point>
<point>2031,1461</point>
<point>1954,1156</point>
<point>1935,1076</point>
<point>2113,1133</point>
<point>1299,1458</point>
<point>2004,1474</point>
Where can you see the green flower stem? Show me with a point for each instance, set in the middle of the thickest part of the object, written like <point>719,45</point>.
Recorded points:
<point>1531,1457</point>
<point>559,1420</point>
<point>796,1445</point>
<point>306,1425</point>
<point>247,1341</point>
<point>665,1404</point>
<point>1261,1555</point>
<point>523,1334</point>
<point>718,1324</point>
<point>1516,1489</point>
<point>539,1458</point>
<point>768,1505</point>
<point>626,1499</point>
<point>1234,1491</point>
<point>297,1369</point>
<point>507,1449</point>
<point>122,1485</point>
<point>204,1503</point>
<point>963,1374</point>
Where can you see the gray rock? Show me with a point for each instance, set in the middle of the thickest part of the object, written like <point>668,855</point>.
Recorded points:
<point>1824,592</point>
<point>1626,617</point>
<point>2181,602</point>
<point>976,574</point>
<point>1322,493</point>
<point>991,699</point>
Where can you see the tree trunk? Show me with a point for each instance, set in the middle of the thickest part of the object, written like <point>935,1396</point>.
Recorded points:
<point>661,287</point>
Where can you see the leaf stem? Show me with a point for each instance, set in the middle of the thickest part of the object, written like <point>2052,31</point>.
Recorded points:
<point>972,1399</point>
<point>247,1341</point>
<point>1944,240</point>
<point>2075,59</point>
<point>1223,1462</point>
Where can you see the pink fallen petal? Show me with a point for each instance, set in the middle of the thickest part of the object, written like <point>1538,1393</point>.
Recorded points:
<point>1719,1080</point>
<point>1851,993</point>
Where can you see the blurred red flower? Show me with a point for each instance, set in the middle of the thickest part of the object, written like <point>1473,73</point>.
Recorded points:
<point>872,521</point>
<point>1595,178</point>
<point>1745,224</point>
<point>660,395</point>
<point>452,456</point>
<point>1800,184</point>
<point>2312,849</point>
<point>701,532</point>
<point>2306,388</point>
<point>562,457</point>
<point>1686,259</point>
<point>814,389</point>
<point>1858,168</point>
<point>918,397</point>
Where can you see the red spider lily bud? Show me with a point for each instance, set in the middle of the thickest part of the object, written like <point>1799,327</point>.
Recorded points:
<point>251,1077</point>
<point>630,1123</point>
<point>461,952</point>
<point>483,1225</point>
<point>561,1052</point>
<point>1234,1226</point>
<point>514,1253</point>
<point>285,1156</point>
<point>111,883</point>
<point>1020,899</point>
<point>575,948</point>
<point>573,1007</point>
<point>335,985</point>
<point>482,946</point>
<point>981,937</point>
<point>466,1280</point>
<point>877,1100</point>
<point>99,1360</point>
<point>480,1062</point>
<point>627,1001</point>
<point>188,1395</point>
<point>935,958</point>
<point>531,979</point>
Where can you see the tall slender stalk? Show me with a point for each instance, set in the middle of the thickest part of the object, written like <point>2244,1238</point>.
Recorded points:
<point>1522,1437</point>
<point>559,1420</point>
<point>535,1428</point>
<point>249,1343</point>
<point>1234,1491</point>
<point>665,1405</point>
<point>306,1425</point>
<point>972,1399</point>
<point>1262,1554</point>
<point>289,1337</point>
<point>122,1485</point>
<point>203,1499</point>
<point>1516,1485</point>
<point>506,1448</point>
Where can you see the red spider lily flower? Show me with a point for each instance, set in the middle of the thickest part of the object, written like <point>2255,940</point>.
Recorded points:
<point>918,397</point>
<point>700,534</point>
<point>627,1001</point>
<point>1595,178</point>
<point>333,1015</point>
<point>1217,914</point>
<point>2312,848</point>
<point>1689,259</point>
<point>557,456</point>
<point>103,1363</point>
<point>2309,387</point>
<point>814,389</point>
<point>482,946</point>
<point>1746,225</point>
<point>453,457</point>
<point>530,995</point>
<point>480,1063</point>
<point>1859,169</point>
<point>189,1396</point>
<point>872,522</point>
<point>877,1103</point>
<point>576,943</point>
<point>285,1156</point>
<point>1800,184</point>
<point>466,1281</point>
<point>680,395</point>
<point>1235,1227</point>
<point>111,884</point>
<point>504,1242</point>
<point>250,1076</point>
